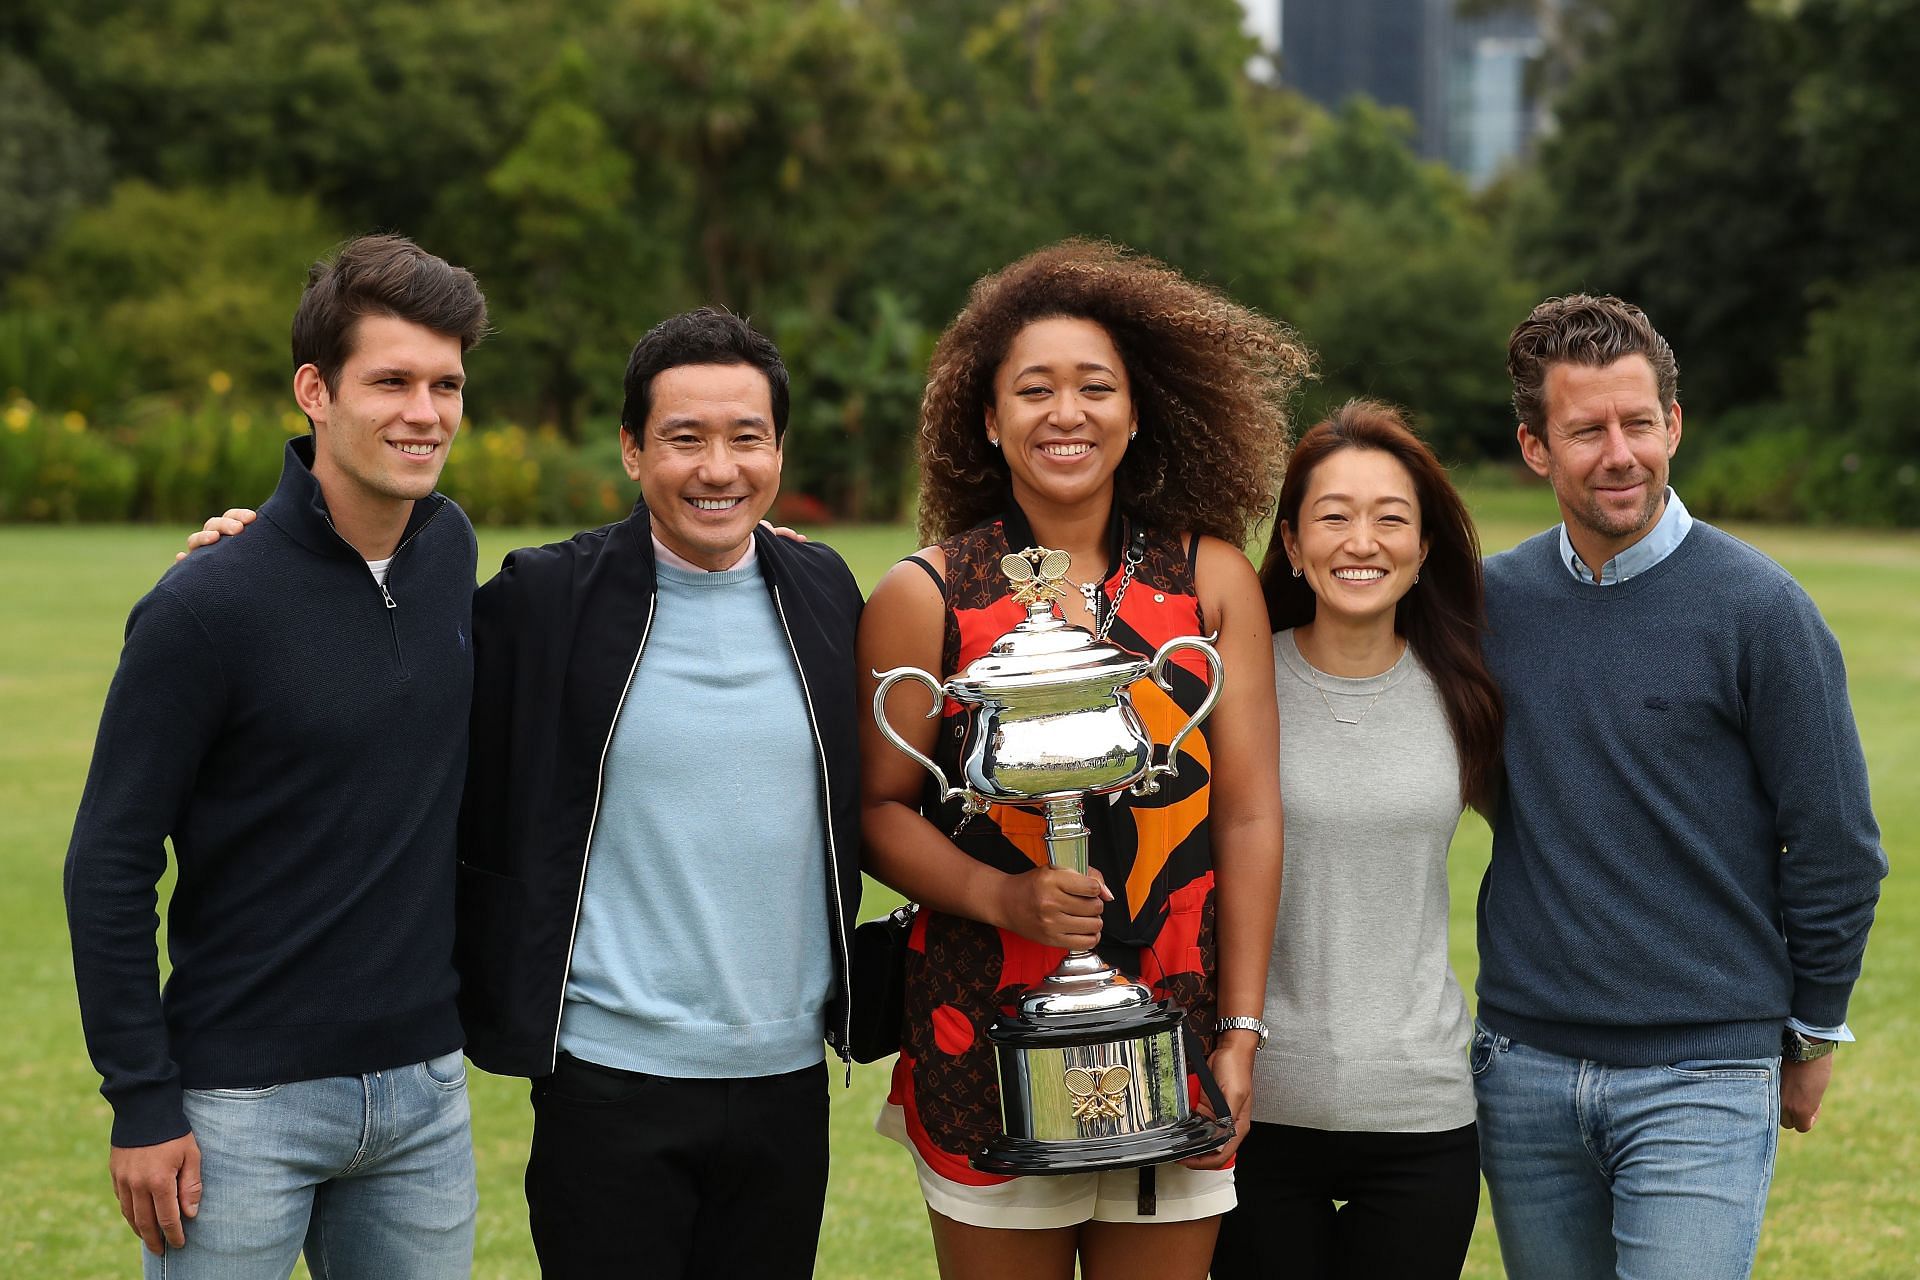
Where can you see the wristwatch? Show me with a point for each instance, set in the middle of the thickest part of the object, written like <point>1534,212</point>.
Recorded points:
<point>1795,1047</point>
<point>1254,1025</point>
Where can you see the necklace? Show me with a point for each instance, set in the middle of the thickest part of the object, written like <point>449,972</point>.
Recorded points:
<point>1338,718</point>
<point>1090,591</point>
<point>1313,677</point>
<point>1037,573</point>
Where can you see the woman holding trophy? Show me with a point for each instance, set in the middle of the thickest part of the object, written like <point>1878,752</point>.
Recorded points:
<point>1098,404</point>
<point>1392,726</point>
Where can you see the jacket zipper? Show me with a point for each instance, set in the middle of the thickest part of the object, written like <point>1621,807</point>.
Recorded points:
<point>386,596</point>
<point>844,1047</point>
<point>593,821</point>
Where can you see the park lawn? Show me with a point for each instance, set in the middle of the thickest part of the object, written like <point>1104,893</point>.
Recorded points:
<point>1844,1202</point>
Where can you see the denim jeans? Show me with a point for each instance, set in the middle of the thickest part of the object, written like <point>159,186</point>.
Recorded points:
<point>371,1174</point>
<point>1644,1173</point>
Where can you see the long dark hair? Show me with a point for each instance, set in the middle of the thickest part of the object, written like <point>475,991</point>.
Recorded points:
<point>1443,616</point>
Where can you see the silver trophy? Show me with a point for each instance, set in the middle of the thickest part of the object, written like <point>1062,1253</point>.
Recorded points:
<point>1093,1067</point>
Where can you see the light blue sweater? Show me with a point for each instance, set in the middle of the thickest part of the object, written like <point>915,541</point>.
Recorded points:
<point>703,947</point>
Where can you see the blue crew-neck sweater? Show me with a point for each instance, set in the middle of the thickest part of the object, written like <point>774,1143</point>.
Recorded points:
<point>299,733</point>
<point>702,949</point>
<point>1684,851</point>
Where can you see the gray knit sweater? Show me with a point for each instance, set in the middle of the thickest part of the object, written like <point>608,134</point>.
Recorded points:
<point>1685,853</point>
<point>1369,1025</point>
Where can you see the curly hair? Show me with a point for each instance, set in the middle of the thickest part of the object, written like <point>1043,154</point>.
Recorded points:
<point>1210,382</point>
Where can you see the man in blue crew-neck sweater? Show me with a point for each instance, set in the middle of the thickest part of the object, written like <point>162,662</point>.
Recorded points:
<point>1685,861</point>
<point>289,710</point>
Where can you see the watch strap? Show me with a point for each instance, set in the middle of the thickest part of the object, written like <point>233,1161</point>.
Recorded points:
<point>1254,1025</point>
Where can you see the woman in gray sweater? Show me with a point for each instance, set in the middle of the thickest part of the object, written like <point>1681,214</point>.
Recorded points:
<point>1390,726</point>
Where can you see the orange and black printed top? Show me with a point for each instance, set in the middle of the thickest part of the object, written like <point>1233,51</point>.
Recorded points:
<point>1154,851</point>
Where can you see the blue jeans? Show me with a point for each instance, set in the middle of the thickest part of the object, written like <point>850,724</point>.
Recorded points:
<point>1644,1173</point>
<point>372,1175</point>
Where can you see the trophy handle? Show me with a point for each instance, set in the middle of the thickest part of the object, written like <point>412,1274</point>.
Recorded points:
<point>1216,673</point>
<point>888,679</point>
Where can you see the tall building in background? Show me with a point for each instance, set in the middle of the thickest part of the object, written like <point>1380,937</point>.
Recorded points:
<point>1465,80</point>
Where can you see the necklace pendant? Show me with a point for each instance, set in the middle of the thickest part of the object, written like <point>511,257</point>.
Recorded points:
<point>1340,719</point>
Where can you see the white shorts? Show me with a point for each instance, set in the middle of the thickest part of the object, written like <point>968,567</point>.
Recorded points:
<point>1066,1199</point>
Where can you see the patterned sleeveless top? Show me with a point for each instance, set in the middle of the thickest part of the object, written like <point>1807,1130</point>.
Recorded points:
<point>1154,852</point>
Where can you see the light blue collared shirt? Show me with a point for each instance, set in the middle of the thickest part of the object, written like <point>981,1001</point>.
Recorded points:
<point>1662,541</point>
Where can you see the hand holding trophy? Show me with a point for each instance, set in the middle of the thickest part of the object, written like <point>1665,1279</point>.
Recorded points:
<point>1093,1067</point>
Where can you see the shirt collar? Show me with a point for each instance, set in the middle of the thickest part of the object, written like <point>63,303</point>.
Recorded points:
<point>668,556</point>
<point>1661,541</point>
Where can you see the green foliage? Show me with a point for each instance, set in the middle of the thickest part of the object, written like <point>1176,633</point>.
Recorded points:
<point>1673,181</point>
<point>509,475</point>
<point>195,463</point>
<point>1392,284</point>
<point>54,357</point>
<point>1854,109</point>
<point>573,258</point>
<point>370,106</point>
<point>186,283</point>
<point>1860,375</point>
<point>856,399</point>
<point>56,467</point>
<point>1131,121</point>
<point>51,162</point>
<point>784,124</point>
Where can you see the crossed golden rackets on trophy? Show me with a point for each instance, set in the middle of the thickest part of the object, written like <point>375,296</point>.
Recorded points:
<point>1097,1091</point>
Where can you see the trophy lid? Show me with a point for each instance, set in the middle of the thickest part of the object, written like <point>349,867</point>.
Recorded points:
<point>1044,650</point>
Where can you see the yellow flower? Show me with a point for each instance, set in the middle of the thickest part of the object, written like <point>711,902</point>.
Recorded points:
<point>19,414</point>
<point>242,421</point>
<point>293,424</point>
<point>74,421</point>
<point>220,381</point>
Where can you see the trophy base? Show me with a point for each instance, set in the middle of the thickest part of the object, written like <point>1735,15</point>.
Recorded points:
<point>1194,1136</point>
<point>1085,1092</point>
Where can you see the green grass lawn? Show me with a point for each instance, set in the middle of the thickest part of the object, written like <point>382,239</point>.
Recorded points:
<point>1845,1202</point>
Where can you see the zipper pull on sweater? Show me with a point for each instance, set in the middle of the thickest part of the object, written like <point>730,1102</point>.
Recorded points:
<point>388,597</point>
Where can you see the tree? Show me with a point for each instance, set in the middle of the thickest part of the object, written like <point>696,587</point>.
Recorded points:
<point>370,106</point>
<point>1128,121</point>
<point>1398,282</point>
<point>1673,181</point>
<point>781,126</point>
<point>51,163</point>
<point>1854,110</point>
<point>186,284</point>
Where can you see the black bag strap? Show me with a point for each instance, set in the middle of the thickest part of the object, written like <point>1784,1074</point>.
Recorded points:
<point>1148,1200</point>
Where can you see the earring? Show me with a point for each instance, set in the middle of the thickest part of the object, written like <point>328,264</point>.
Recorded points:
<point>1416,577</point>
<point>1296,571</point>
<point>993,441</point>
<point>1134,434</point>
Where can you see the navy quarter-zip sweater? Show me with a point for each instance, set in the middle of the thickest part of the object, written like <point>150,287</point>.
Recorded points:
<point>300,734</point>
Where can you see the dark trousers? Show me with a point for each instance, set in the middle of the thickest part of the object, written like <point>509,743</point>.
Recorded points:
<point>1410,1205</point>
<point>638,1175</point>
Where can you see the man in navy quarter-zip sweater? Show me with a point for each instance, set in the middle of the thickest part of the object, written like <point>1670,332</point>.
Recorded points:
<point>659,841</point>
<point>289,710</point>
<point>1685,861</point>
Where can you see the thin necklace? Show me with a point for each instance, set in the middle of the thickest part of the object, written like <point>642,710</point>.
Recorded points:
<point>1313,677</point>
<point>1338,718</point>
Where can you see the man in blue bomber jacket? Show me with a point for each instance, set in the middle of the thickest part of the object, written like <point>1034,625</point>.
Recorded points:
<point>659,839</point>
